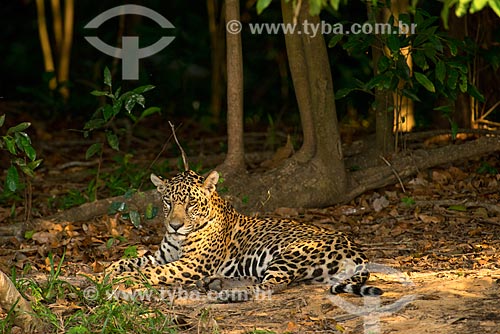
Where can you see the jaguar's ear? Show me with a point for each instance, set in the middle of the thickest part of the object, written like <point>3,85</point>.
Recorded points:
<point>159,183</point>
<point>211,182</point>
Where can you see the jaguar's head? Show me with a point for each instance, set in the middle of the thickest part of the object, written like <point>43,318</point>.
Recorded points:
<point>186,200</point>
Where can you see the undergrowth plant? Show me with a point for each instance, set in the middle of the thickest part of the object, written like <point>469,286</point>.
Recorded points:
<point>94,309</point>
<point>439,63</point>
<point>104,120</point>
<point>23,162</point>
<point>104,125</point>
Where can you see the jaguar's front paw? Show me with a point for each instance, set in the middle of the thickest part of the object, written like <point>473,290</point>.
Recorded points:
<point>212,283</point>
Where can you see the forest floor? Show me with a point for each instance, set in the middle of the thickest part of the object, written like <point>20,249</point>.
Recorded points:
<point>436,245</point>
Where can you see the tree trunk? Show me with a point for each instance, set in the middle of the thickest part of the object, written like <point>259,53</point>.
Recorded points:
<point>315,176</point>
<point>384,103</point>
<point>295,53</point>
<point>235,149</point>
<point>217,44</point>
<point>462,111</point>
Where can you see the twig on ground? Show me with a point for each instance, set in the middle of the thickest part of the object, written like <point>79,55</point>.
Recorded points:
<point>395,173</point>
<point>449,202</point>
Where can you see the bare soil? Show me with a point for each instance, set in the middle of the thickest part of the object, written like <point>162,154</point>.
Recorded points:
<point>441,234</point>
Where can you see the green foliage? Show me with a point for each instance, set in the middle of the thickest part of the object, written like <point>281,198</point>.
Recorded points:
<point>486,168</point>
<point>96,309</point>
<point>130,252</point>
<point>438,66</point>
<point>408,201</point>
<point>464,6</point>
<point>104,122</point>
<point>315,6</point>
<point>22,155</point>
<point>104,118</point>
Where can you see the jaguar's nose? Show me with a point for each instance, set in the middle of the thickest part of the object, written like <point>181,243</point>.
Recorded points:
<point>176,224</point>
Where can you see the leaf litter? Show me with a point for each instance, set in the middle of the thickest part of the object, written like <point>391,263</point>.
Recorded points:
<point>442,235</point>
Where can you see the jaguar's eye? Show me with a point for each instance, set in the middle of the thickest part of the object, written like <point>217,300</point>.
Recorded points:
<point>166,203</point>
<point>191,207</point>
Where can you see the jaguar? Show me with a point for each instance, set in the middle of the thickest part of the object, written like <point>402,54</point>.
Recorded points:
<point>207,242</point>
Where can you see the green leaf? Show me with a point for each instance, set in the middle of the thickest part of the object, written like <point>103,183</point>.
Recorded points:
<point>20,127</point>
<point>132,100</point>
<point>448,108</point>
<point>11,144</point>
<point>411,95</point>
<point>34,164</point>
<point>475,93</point>
<point>112,139</point>
<point>2,120</point>
<point>334,40</point>
<point>452,79</point>
<point>117,207</point>
<point>12,180</point>
<point>22,141</point>
<point>424,81</point>
<point>377,81</point>
<point>393,43</point>
<point>30,152</point>
<point>408,201</point>
<point>151,211</point>
<point>495,5</point>
<point>343,92</point>
<point>420,61</point>
<point>110,243</point>
<point>453,48</point>
<point>93,124</point>
<point>477,5</point>
<point>383,64</point>
<point>462,85</point>
<point>461,208</point>
<point>149,111</point>
<point>135,218</point>
<point>130,252</point>
<point>129,193</point>
<point>26,170</point>
<point>107,77</point>
<point>261,5</point>
<point>440,72</point>
<point>402,69</point>
<point>117,106</point>
<point>335,4</point>
<point>143,89</point>
<point>93,149</point>
<point>99,93</point>
<point>29,234</point>
<point>315,7</point>
<point>454,130</point>
<point>107,112</point>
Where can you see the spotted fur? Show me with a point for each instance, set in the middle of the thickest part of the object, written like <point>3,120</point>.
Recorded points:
<point>207,241</point>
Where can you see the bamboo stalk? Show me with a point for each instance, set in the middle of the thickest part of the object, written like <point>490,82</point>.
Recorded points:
<point>57,25</point>
<point>65,55</point>
<point>45,43</point>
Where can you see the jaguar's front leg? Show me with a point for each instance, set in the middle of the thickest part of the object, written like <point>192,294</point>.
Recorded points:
<point>170,250</point>
<point>180,272</point>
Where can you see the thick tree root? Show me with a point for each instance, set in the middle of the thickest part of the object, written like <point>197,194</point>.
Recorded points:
<point>297,185</point>
<point>19,308</point>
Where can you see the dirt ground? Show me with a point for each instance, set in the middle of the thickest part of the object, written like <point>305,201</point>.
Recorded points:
<point>437,241</point>
<point>437,260</point>
<point>441,302</point>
